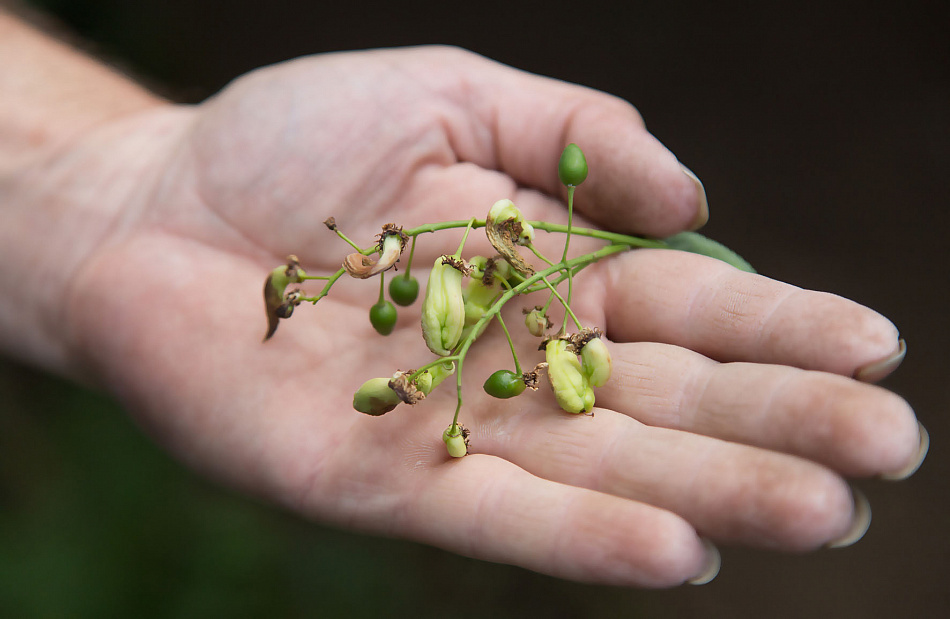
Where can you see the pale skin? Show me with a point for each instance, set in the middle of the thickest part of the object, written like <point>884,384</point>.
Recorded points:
<point>137,234</point>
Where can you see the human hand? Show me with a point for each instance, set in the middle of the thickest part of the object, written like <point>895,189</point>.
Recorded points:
<point>731,415</point>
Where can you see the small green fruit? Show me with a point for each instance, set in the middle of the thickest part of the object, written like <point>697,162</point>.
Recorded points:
<point>595,358</point>
<point>572,168</point>
<point>404,289</point>
<point>383,317</point>
<point>374,397</point>
<point>454,439</point>
<point>504,384</point>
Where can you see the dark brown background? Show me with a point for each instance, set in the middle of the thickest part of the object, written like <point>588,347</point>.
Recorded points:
<point>823,139</point>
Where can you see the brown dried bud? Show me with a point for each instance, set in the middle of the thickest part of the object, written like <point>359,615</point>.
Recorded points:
<point>276,305</point>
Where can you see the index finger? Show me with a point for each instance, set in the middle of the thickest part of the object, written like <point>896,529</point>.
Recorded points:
<point>523,122</point>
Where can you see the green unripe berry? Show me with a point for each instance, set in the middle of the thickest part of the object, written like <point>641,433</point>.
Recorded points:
<point>404,289</point>
<point>572,168</point>
<point>383,317</point>
<point>504,384</point>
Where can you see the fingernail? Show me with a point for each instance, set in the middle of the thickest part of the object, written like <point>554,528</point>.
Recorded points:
<point>702,215</point>
<point>911,468</point>
<point>876,370</point>
<point>860,521</point>
<point>711,569</point>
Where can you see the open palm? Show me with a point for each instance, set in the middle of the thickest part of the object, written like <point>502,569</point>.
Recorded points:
<point>731,414</point>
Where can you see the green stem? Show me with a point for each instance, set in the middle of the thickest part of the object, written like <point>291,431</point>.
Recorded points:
<point>326,289</point>
<point>458,252</point>
<point>570,220</point>
<point>570,272</point>
<point>382,287</point>
<point>445,225</point>
<point>535,251</point>
<point>567,308</point>
<point>412,252</point>
<point>458,390</point>
<point>614,237</point>
<point>340,234</point>
<point>511,345</point>
<point>432,364</point>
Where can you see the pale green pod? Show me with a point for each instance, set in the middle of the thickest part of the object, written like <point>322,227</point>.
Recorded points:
<point>423,382</point>
<point>537,322</point>
<point>374,397</point>
<point>454,440</point>
<point>595,358</point>
<point>435,375</point>
<point>478,300</point>
<point>571,386</point>
<point>443,309</point>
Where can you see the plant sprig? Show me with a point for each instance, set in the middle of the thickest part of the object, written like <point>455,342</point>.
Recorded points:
<point>463,297</point>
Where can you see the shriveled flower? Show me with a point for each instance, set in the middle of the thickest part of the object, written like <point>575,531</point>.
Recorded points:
<point>392,242</point>
<point>571,386</point>
<point>443,309</point>
<point>276,305</point>
<point>506,228</point>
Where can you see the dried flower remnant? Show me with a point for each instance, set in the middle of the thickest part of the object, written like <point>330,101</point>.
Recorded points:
<point>276,304</point>
<point>507,228</point>
<point>392,242</point>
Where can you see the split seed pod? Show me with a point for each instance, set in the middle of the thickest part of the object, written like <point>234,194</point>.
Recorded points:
<point>571,385</point>
<point>443,309</point>
<point>596,361</point>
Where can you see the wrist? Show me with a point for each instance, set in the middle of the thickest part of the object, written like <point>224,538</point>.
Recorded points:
<point>62,208</point>
<point>53,93</point>
<point>78,144</point>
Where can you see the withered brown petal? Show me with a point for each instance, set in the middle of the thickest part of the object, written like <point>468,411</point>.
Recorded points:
<point>502,237</point>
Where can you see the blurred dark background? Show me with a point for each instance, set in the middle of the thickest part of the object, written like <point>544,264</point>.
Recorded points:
<point>823,139</point>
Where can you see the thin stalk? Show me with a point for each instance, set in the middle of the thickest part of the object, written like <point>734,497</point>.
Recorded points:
<point>567,308</point>
<point>432,364</point>
<point>458,252</point>
<point>570,272</point>
<point>614,237</point>
<point>535,251</point>
<point>412,251</point>
<point>458,390</point>
<point>340,234</point>
<point>511,345</point>
<point>326,288</point>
